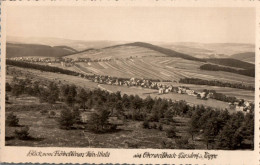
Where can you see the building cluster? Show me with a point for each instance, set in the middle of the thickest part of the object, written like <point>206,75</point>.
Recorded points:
<point>239,105</point>
<point>36,59</point>
<point>242,106</point>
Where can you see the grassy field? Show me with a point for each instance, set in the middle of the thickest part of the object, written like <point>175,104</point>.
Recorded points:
<point>45,131</point>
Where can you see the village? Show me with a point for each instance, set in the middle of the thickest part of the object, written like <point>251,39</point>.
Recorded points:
<point>237,104</point>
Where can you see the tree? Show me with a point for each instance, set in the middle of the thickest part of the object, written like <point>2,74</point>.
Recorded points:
<point>119,107</point>
<point>126,101</point>
<point>137,102</point>
<point>231,136</point>
<point>146,124</point>
<point>83,98</point>
<point>148,103</point>
<point>53,93</point>
<point>8,87</point>
<point>210,131</point>
<point>12,120</point>
<point>99,119</point>
<point>66,119</point>
<point>160,127</point>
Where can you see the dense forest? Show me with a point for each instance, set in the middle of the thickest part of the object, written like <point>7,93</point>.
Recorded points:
<point>215,83</point>
<point>246,72</point>
<point>231,63</point>
<point>218,128</point>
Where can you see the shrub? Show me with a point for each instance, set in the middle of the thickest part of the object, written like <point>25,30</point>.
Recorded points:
<point>22,134</point>
<point>154,126</point>
<point>113,127</point>
<point>183,143</point>
<point>160,127</point>
<point>167,145</point>
<point>43,111</point>
<point>146,124</point>
<point>52,114</point>
<point>171,132</point>
<point>12,120</point>
<point>8,87</point>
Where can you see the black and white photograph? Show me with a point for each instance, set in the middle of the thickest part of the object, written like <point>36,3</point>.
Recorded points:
<point>171,78</point>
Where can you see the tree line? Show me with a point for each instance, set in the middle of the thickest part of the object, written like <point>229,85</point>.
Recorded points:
<point>247,72</point>
<point>41,67</point>
<point>198,81</point>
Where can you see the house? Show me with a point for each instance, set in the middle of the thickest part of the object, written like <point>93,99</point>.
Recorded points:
<point>239,108</point>
<point>202,94</point>
<point>161,90</point>
<point>190,92</point>
<point>247,103</point>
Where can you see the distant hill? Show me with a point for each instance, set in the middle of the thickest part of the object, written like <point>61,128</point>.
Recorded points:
<point>116,52</point>
<point>161,50</point>
<point>207,50</point>
<point>247,56</point>
<point>78,45</point>
<point>231,63</point>
<point>21,50</point>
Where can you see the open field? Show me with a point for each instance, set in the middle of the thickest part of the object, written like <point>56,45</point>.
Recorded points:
<point>45,131</point>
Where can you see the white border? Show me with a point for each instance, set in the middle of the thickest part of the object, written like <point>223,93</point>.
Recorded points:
<point>18,154</point>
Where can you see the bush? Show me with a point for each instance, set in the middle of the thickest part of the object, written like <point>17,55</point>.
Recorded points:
<point>43,111</point>
<point>154,126</point>
<point>183,143</point>
<point>171,132</point>
<point>146,124</point>
<point>22,134</point>
<point>160,127</point>
<point>113,127</point>
<point>167,145</point>
<point>52,114</point>
<point>12,120</point>
<point>8,87</point>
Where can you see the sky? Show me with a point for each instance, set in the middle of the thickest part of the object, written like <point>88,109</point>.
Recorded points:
<point>162,24</point>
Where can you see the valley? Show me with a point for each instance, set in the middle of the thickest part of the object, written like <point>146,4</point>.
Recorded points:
<point>129,85</point>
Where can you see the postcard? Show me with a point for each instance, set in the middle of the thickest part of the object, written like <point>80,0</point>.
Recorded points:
<point>136,82</point>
